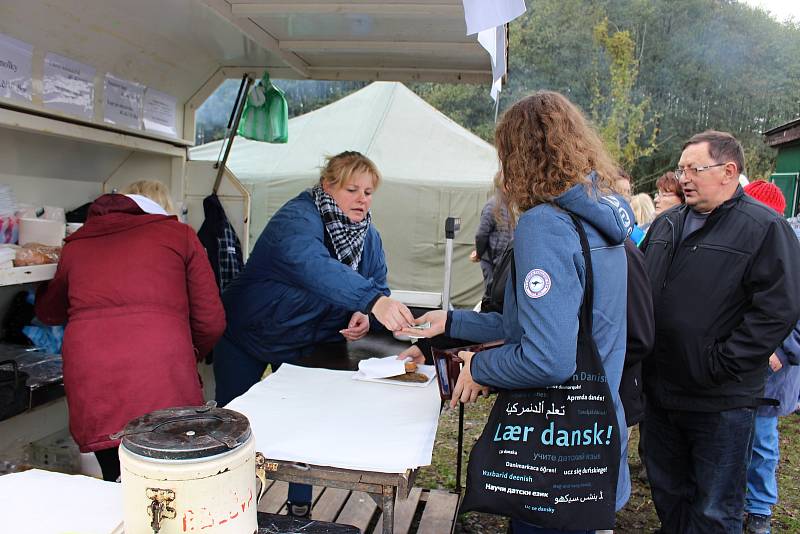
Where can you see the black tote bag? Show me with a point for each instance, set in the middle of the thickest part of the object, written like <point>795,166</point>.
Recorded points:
<point>550,456</point>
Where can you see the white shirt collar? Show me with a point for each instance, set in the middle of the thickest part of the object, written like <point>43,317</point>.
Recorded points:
<point>148,205</point>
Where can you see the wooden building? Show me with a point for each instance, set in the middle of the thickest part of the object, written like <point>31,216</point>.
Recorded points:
<point>786,138</point>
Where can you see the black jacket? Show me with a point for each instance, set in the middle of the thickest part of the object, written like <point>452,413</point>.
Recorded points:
<point>724,299</point>
<point>221,242</point>
<point>641,332</point>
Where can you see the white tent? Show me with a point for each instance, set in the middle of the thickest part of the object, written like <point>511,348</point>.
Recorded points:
<point>432,168</point>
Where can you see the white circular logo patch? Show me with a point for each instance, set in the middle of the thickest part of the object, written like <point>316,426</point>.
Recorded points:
<point>537,283</point>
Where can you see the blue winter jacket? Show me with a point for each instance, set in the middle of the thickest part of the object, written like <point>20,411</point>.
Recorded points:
<point>784,386</point>
<point>541,334</point>
<point>294,293</point>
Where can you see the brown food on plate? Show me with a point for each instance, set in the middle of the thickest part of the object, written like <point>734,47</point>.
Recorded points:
<point>411,367</point>
<point>410,377</point>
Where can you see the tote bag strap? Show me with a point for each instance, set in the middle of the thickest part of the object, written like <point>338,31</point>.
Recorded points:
<point>588,285</point>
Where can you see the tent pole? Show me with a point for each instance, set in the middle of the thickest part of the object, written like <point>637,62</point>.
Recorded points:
<point>233,125</point>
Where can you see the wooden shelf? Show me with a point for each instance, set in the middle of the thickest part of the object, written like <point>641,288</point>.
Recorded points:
<point>23,275</point>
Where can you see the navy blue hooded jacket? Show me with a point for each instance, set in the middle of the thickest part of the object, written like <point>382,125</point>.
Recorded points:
<point>294,293</point>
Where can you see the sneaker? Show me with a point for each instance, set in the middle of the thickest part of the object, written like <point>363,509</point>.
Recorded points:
<point>757,524</point>
<point>302,509</point>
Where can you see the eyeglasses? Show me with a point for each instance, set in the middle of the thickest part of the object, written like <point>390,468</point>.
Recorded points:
<point>694,171</point>
<point>658,194</point>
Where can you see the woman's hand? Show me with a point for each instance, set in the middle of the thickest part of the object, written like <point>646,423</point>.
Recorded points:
<point>392,314</point>
<point>775,363</point>
<point>357,327</point>
<point>467,390</point>
<point>414,353</point>
<point>437,318</point>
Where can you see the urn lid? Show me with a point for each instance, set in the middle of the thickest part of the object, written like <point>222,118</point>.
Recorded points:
<point>185,433</point>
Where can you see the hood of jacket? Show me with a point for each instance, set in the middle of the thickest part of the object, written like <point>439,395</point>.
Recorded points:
<point>114,213</point>
<point>609,214</point>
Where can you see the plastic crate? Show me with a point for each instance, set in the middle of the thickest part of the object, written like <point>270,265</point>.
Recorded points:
<point>56,452</point>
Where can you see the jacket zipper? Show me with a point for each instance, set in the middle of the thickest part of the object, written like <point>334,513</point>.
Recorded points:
<point>671,252</point>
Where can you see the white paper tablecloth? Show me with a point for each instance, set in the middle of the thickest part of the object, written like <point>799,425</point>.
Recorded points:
<point>324,417</point>
<point>42,502</point>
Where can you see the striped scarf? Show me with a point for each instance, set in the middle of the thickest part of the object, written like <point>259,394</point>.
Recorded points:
<point>347,237</point>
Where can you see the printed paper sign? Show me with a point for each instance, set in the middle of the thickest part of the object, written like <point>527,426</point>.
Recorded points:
<point>68,86</point>
<point>123,102</point>
<point>159,112</point>
<point>15,68</point>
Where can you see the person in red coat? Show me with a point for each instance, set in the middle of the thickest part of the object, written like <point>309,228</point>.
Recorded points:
<point>138,295</point>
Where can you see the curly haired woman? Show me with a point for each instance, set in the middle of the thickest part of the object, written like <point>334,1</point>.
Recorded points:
<point>554,167</point>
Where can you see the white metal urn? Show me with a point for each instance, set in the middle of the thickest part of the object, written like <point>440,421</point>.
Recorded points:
<point>190,469</point>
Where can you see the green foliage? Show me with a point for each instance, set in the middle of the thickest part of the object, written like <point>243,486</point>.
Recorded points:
<point>699,64</point>
<point>623,123</point>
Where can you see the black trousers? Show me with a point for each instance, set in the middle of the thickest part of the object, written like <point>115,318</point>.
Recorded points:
<point>109,463</point>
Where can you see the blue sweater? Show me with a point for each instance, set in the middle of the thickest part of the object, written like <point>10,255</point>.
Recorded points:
<point>293,293</point>
<point>541,330</point>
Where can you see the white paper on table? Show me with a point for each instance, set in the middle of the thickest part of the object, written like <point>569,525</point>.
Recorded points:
<point>427,370</point>
<point>481,15</point>
<point>381,367</point>
<point>15,68</point>
<point>323,417</point>
<point>42,502</point>
<point>68,86</point>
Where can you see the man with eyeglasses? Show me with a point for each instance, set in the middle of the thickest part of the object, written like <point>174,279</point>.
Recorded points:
<point>723,270</point>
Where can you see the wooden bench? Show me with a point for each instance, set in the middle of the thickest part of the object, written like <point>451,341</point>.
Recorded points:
<point>423,512</point>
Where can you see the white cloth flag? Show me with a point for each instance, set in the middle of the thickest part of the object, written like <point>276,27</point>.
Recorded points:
<point>494,41</point>
<point>326,418</point>
<point>482,14</point>
<point>488,19</point>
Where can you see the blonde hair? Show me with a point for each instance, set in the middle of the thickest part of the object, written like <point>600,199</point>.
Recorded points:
<point>339,168</point>
<point>154,190</point>
<point>546,146</point>
<point>643,208</point>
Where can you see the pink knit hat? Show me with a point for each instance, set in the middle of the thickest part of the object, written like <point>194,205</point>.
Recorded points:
<point>767,193</point>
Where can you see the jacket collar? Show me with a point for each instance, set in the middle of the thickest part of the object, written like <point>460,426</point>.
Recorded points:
<point>113,213</point>
<point>680,212</point>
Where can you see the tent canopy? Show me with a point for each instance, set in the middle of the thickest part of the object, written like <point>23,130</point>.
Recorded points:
<point>432,168</point>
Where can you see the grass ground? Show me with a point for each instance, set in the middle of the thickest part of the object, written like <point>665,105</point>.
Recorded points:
<point>639,514</point>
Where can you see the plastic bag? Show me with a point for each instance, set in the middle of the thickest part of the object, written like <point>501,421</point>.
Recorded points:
<point>266,114</point>
<point>36,254</point>
<point>48,338</point>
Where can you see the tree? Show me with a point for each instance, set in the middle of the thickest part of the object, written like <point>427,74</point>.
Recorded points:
<point>627,127</point>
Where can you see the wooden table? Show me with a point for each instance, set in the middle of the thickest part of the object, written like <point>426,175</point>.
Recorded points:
<point>382,487</point>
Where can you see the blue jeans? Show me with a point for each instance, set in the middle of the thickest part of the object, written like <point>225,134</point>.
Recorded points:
<point>762,486</point>
<point>697,466</point>
<point>234,372</point>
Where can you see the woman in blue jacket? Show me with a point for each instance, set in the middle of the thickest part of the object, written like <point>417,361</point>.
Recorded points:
<point>553,164</point>
<point>315,275</point>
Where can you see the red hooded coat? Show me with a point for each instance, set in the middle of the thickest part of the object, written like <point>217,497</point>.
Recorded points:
<point>141,305</point>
